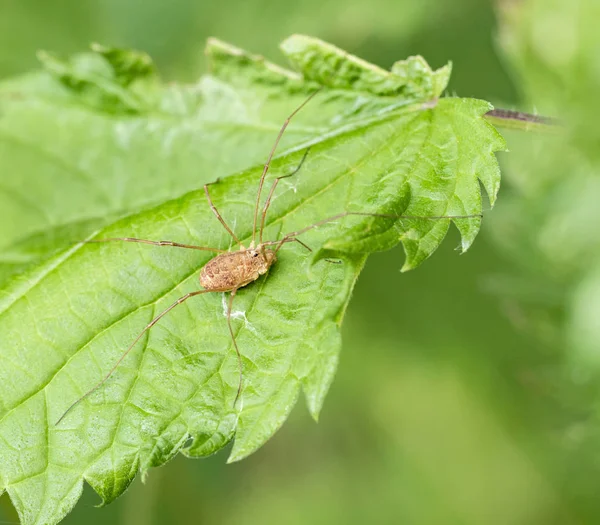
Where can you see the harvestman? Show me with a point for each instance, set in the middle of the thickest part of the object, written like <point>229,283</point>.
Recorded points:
<point>231,270</point>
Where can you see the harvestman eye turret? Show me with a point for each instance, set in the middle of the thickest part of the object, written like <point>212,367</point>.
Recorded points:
<point>231,270</point>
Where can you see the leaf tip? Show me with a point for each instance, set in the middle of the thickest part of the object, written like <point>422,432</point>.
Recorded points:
<point>314,401</point>
<point>314,411</point>
<point>239,451</point>
<point>408,265</point>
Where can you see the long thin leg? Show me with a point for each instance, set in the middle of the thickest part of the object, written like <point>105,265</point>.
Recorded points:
<point>270,158</point>
<point>272,191</point>
<point>287,237</point>
<point>120,360</point>
<point>218,216</point>
<point>294,239</point>
<point>235,345</point>
<point>156,243</point>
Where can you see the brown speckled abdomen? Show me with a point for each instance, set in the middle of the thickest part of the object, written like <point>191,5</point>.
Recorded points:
<point>232,270</point>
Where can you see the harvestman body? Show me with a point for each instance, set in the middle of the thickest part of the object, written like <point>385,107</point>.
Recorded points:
<point>230,271</point>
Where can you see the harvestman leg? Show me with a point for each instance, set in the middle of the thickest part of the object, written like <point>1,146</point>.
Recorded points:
<point>291,237</point>
<point>222,221</point>
<point>304,245</point>
<point>272,191</point>
<point>156,243</point>
<point>234,291</point>
<point>260,186</point>
<point>158,317</point>
<point>120,360</point>
<point>235,238</point>
<point>268,203</point>
<point>270,158</point>
<point>231,296</point>
<point>218,216</point>
<point>235,345</point>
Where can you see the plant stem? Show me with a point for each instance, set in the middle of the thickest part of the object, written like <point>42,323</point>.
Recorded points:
<point>506,118</point>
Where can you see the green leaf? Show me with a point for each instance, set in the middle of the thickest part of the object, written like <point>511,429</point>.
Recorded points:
<point>411,79</point>
<point>67,311</point>
<point>105,79</point>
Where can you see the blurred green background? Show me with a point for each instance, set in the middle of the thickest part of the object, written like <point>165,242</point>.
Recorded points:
<point>476,403</point>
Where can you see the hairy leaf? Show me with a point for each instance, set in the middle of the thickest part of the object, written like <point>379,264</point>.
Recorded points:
<point>97,166</point>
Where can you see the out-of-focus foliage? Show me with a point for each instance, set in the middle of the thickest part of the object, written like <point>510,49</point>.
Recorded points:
<point>459,421</point>
<point>173,33</point>
<point>549,222</point>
